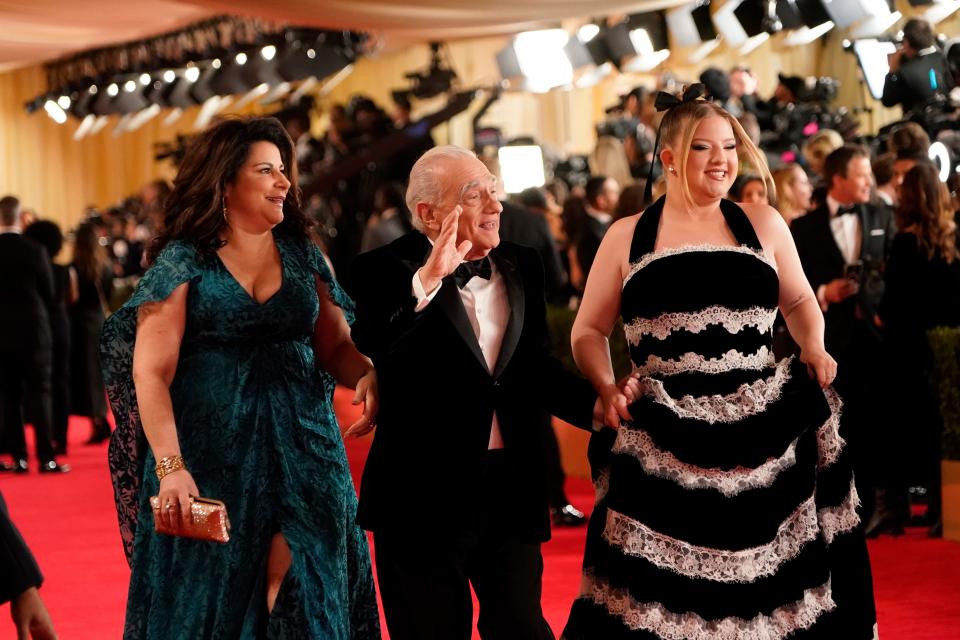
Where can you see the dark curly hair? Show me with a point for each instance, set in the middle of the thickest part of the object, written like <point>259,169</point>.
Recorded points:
<point>193,212</point>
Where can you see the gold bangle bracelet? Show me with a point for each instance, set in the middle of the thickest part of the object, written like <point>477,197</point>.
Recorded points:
<point>168,465</point>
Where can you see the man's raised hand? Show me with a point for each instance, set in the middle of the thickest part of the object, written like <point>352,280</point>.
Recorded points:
<point>446,255</point>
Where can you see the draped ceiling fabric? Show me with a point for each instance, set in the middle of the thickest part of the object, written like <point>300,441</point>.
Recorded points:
<point>43,30</point>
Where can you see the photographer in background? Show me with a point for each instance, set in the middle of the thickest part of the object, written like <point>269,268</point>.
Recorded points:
<point>918,71</point>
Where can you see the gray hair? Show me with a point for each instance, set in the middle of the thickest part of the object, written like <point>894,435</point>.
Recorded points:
<point>426,178</point>
<point>9,211</point>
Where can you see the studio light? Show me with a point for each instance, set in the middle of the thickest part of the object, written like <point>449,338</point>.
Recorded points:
<point>691,26</point>
<point>808,20</point>
<point>938,11</point>
<point>879,20</point>
<point>169,75</point>
<point>729,24</point>
<point>268,52</point>
<point>542,59</point>
<point>522,167</point>
<point>113,90</point>
<point>241,58</point>
<point>590,63</point>
<point>192,74</point>
<point>55,111</point>
<point>588,32</point>
<point>940,156</point>
<point>145,79</point>
<point>872,58</point>
<point>639,43</point>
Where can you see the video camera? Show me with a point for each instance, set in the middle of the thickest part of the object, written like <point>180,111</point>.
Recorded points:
<point>433,81</point>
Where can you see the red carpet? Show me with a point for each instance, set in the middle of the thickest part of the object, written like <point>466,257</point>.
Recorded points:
<point>70,524</point>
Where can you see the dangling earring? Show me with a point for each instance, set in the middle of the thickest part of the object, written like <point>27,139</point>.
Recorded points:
<point>672,170</point>
<point>224,202</point>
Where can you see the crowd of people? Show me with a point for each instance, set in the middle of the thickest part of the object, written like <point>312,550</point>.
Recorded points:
<point>767,270</point>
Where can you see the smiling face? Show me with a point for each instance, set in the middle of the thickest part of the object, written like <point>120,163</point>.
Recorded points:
<point>254,200</point>
<point>853,188</point>
<point>468,183</point>
<point>711,165</point>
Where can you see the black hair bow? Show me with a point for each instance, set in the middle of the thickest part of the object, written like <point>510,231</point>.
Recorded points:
<point>666,101</point>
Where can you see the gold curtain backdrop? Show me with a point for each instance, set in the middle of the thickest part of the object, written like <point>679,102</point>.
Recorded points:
<point>58,177</point>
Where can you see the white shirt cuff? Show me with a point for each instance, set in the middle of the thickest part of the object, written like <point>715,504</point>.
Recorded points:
<point>423,298</point>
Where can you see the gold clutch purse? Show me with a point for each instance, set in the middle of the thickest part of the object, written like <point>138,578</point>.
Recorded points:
<point>208,521</point>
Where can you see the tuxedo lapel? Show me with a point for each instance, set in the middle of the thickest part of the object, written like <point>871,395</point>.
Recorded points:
<point>412,252</point>
<point>515,297</point>
<point>829,241</point>
<point>449,300</point>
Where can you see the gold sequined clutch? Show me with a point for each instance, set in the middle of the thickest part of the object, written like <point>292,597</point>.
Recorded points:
<point>208,521</point>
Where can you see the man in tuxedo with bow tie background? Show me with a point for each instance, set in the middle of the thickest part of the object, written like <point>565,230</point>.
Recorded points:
<point>453,488</point>
<point>843,246</point>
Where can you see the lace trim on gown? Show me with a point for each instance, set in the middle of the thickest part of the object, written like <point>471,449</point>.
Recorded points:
<point>829,441</point>
<point>634,538</point>
<point>692,361</point>
<point>749,399</point>
<point>732,320</point>
<point>729,482</point>
<point>647,258</point>
<point>842,518</point>
<point>601,485</point>
<point>780,623</point>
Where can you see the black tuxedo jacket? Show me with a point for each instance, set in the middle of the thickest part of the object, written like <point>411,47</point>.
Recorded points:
<point>911,86</point>
<point>437,396</point>
<point>823,261</point>
<point>26,293</point>
<point>521,226</point>
<point>589,243</point>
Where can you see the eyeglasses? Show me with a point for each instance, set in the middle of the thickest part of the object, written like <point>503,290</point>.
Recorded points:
<point>473,193</point>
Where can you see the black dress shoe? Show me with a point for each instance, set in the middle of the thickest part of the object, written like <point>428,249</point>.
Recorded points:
<point>51,466</point>
<point>568,516</point>
<point>19,466</point>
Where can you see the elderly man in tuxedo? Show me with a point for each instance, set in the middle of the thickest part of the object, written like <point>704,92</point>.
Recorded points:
<point>453,489</point>
<point>843,246</point>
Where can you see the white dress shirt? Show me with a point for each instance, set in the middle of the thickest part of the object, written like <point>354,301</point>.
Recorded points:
<point>488,310</point>
<point>846,232</point>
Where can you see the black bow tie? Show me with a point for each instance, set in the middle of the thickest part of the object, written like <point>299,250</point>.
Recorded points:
<point>853,210</point>
<point>467,270</point>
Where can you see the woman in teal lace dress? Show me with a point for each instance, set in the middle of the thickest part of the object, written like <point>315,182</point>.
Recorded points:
<point>220,371</point>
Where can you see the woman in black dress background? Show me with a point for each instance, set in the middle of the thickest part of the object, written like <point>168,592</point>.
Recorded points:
<point>922,292</point>
<point>95,285</point>
<point>48,233</point>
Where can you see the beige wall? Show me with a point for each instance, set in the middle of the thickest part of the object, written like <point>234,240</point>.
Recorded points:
<point>41,163</point>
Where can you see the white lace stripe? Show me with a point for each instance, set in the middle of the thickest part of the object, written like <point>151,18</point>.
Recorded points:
<point>829,441</point>
<point>694,248</point>
<point>729,482</point>
<point>692,361</point>
<point>842,518</point>
<point>749,399</point>
<point>780,623</point>
<point>733,321</point>
<point>601,485</point>
<point>634,538</point>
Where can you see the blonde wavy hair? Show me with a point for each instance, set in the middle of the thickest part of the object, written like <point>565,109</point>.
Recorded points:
<point>676,133</point>
<point>784,178</point>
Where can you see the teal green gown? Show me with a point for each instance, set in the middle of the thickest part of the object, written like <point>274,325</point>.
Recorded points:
<point>255,420</point>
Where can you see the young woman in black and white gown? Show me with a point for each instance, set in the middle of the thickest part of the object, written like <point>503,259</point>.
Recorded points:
<point>726,509</point>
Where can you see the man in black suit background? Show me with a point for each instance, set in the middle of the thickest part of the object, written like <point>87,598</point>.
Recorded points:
<point>602,195</point>
<point>26,344</point>
<point>455,323</point>
<point>918,70</point>
<point>843,246</point>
